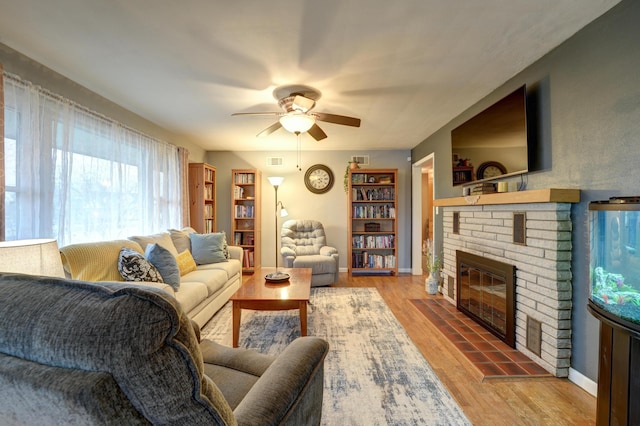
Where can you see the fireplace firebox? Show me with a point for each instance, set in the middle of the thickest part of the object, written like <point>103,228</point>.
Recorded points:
<point>485,293</point>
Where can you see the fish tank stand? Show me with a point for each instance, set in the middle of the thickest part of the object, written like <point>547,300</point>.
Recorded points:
<point>614,299</point>
<point>619,363</point>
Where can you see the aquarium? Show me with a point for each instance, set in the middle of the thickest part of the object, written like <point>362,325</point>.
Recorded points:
<point>614,261</point>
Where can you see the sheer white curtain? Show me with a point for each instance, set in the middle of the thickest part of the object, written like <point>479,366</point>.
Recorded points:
<point>74,175</point>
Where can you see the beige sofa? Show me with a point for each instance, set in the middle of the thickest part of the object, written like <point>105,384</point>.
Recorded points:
<point>201,292</point>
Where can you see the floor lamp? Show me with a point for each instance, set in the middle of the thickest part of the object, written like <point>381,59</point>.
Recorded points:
<point>277,276</point>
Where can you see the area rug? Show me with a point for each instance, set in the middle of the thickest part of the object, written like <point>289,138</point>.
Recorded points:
<point>374,374</point>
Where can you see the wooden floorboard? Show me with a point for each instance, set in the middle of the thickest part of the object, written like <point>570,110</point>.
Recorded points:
<point>529,401</point>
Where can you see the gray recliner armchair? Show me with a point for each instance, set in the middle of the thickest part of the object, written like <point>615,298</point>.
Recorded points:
<point>304,245</point>
<point>73,352</point>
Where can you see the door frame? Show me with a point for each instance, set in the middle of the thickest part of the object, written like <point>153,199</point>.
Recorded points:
<point>416,210</point>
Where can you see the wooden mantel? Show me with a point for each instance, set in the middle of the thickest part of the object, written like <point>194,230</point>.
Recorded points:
<point>551,195</point>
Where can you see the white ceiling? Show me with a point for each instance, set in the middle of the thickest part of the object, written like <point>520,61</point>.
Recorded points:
<point>405,67</point>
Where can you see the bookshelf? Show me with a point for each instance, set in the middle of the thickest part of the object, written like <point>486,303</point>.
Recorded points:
<point>202,197</point>
<point>462,174</point>
<point>245,214</point>
<point>373,224</point>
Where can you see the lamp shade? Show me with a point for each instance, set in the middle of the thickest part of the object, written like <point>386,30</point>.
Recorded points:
<point>297,122</point>
<point>275,180</point>
<point>34,257</point>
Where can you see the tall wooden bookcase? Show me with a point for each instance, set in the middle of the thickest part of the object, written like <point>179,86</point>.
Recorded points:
<point>245,214</point>
<point>202,197</point>
<point>373,224</point>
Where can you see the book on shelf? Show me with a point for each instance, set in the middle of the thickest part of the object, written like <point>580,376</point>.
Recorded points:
<point>238,192</point>
<point>484,188</point>
<point>244,211</point>
<point>245,178</point>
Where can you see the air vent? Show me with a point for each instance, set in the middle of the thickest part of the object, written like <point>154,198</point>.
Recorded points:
<point>534,335</point>
<point>275,161</point>
<point>450,286</point>
<point>519,228</point>
<point>456,222</point>
<point>363,160</point>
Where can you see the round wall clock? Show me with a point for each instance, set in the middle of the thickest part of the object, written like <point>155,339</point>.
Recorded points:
<point>490,169</point>
<point>318,179</point>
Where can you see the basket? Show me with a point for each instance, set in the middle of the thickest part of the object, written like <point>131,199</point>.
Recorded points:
<point>372,227</point>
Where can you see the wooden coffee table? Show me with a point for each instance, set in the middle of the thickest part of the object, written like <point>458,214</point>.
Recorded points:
<point>257,294</point>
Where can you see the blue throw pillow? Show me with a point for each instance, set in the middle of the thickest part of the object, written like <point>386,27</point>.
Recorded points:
<point>166,263</point>
<point>208,248</point>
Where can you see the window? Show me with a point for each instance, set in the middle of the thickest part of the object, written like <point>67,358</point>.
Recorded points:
<point>76,176</point>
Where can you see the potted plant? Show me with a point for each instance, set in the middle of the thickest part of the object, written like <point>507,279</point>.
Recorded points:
<point>351,165</point>
<point>433,264</point>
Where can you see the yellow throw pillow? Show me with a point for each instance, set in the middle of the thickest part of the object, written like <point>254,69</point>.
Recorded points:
<point>186,263</point>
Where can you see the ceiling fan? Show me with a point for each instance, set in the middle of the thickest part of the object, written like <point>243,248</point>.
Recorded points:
<point>297,101</point>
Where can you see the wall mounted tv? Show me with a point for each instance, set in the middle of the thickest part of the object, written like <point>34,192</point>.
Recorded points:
<point>494,143</point>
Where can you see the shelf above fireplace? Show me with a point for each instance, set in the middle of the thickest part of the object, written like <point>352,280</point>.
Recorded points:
<point>549,195</point>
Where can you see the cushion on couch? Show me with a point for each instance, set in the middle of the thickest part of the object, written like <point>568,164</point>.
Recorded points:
<point>134,267</point>
<point>166,263</point>
<point>191,294</point>
<point>186,263</point>
<point>209,248</point>
<point>95,261</point>
<point>213,279</point>
<point>162,238</point>
<point>180,238</point>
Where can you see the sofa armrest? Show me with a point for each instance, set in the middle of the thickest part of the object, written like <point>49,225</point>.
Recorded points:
<point>290,389</point>
<point>288,256</point>
<point>235,252</point>
<point>328,250</point>
<point>245,360</point>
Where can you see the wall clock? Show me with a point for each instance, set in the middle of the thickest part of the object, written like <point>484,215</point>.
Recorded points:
<point>490,169</point>
<point>318,179</point>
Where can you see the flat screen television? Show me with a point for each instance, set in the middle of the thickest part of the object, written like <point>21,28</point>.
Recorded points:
<point>494,143</point>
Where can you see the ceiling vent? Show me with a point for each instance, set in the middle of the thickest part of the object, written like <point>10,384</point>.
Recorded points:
<point>275,161</point>
<point>363,160</point>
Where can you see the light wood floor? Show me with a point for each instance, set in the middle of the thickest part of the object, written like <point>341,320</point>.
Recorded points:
<point>532,401</point>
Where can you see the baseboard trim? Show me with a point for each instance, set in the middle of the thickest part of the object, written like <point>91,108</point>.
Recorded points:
<point>583,381</point>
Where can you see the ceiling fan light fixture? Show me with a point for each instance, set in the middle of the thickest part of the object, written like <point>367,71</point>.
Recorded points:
<point>297,122</point>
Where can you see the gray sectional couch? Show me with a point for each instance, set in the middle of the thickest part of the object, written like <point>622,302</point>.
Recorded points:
<point>118,353</point>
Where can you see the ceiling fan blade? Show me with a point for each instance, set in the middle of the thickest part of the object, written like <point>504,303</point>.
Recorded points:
<point>256,113</point>
<point>266,132</point>
<point>317,133</point>
<point>337,119</point>
<point>302,103</point>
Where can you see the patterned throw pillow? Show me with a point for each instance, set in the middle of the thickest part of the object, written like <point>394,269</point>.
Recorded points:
<point>186,263</point>
<point>134,267</point>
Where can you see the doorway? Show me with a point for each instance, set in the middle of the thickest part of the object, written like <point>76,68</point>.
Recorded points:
<point>422,214</point>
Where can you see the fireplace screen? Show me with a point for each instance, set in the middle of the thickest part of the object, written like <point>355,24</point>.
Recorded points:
<point>485,289</point>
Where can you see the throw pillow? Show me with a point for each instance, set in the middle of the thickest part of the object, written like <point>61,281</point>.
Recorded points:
<point>208,248</point>
<point>163,239</point>
<point>180,238</point>
<point>186,263</point>
<point>165,262</point>
<point>225,247</point>
<point>134,267</point>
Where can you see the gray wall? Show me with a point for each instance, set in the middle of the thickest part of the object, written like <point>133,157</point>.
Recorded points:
<point>329,208</point>
<point>588,95</point>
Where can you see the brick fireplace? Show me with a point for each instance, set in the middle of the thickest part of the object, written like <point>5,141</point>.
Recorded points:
<point>530,230</point>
